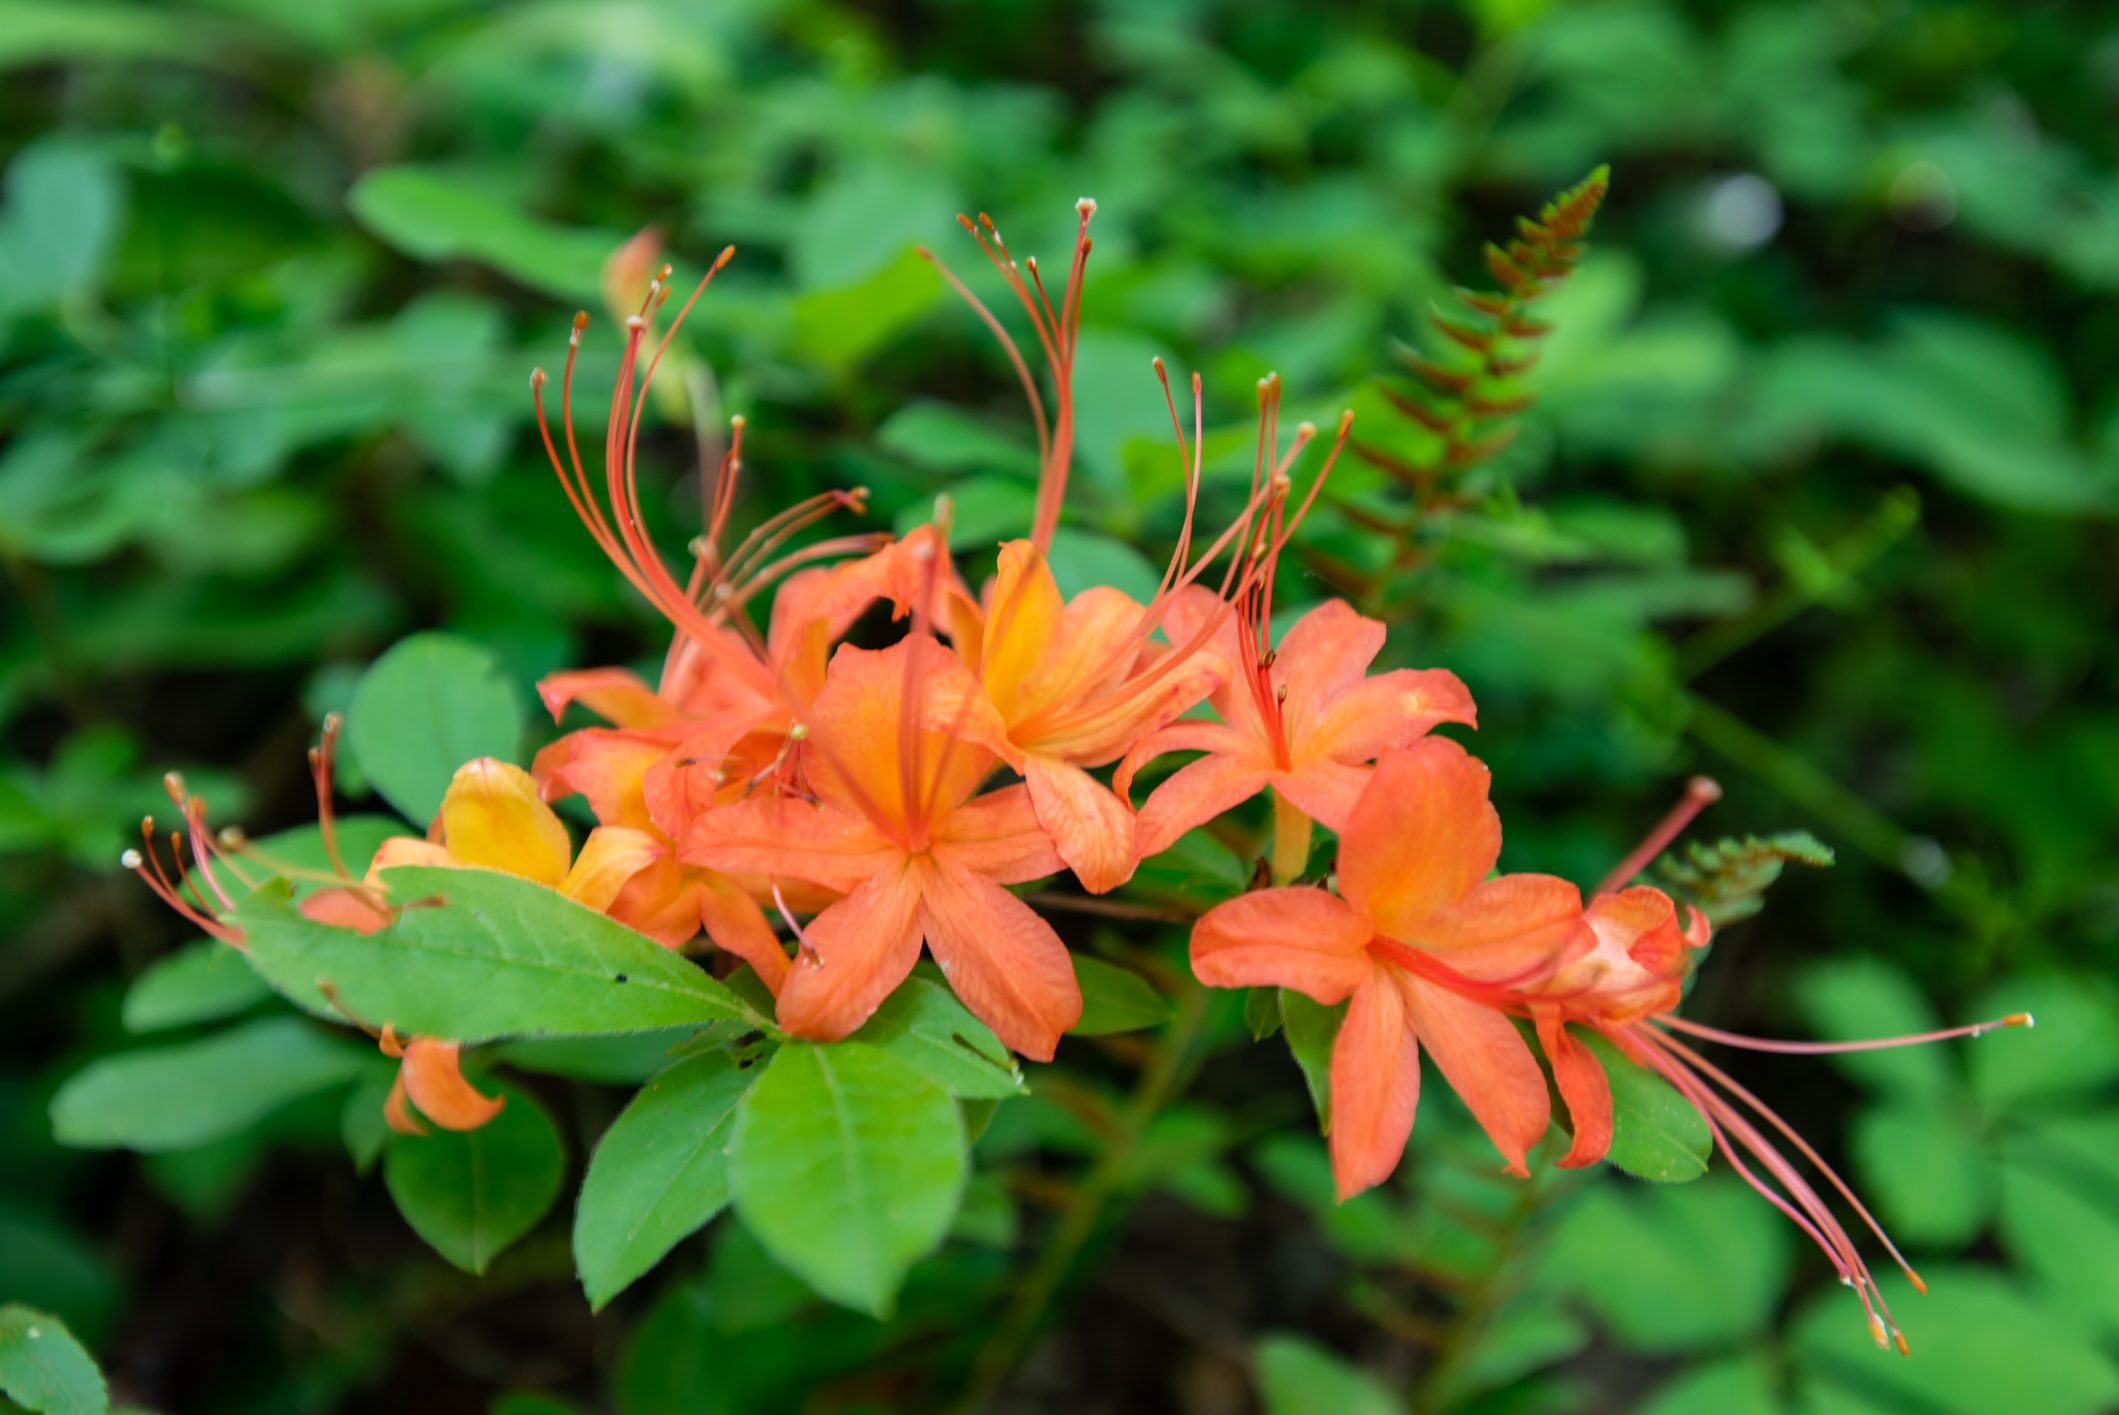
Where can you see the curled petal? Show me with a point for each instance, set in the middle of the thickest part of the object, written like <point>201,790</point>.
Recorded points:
<point>1091,827</point>
<point>1005,962</point>
<point>1421,836</point>
<point>493,818</point>
<point>1509,931</point>
<point>1389,710</point>
<point>1017,645</point>
<point>434,1078</point>
<point>661,901</point>
<point>1300,938</point>
<point>1194,794</point>
<point>609,859</point>
<point>855,952</point>
<point>737,925</point>
<point>1583,1086</point>
<point>777,836</point>
<point>607,768</point>
<point>1486,1063</point>
<point>1189,735</point>
<point>1375,1087</point>
<point>398,1115</point>
<point>613,694</point>
<point>346,909</point>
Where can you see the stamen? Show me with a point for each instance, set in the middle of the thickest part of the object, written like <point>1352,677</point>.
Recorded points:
<point>1736,1039</point>
<point>1700,792</point>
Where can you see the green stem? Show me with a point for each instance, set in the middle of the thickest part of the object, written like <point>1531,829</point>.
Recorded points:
<point>1291,841</point>
<point>1432,1393</point>
<point>1019,1325</point>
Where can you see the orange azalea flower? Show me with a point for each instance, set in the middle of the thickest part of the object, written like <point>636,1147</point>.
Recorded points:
<point>430,1074</point>
<point>1420,943</point>
<point>897,828</point>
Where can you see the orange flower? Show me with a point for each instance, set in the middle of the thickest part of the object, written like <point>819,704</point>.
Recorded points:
<point>897,828</point>
<point>431,1074</point>
<point>1419,943</point>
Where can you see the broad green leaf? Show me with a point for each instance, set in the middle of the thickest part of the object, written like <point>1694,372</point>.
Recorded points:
<point>2059,1187</point>
<point>200,982</point>
<point>625,1060</point>
<point>841,327</point>
<point>1655,1132</point>
<point>361,1123</point>
<point>943,437</point>
<point>100,32</point>
<point>1968,1315</point>
<point>1929,1175</point>
<point>1115,999</point>
<point>923,1025</point>
<point>302,847</point>
<point>1848,999</point>
<point>471,1193</point>
<point>848,1166</point>
<point>659,1174</point>
<point>1740,1385</point>
<point>531,1403</point>
<point>497,957</point>
<point>43,1369</point>
<point>1298,1377</point>
<point>1311,1028</point>
<point>435,215</point>
<point>64,202</point>
<point>2074,1047</point>
<point>1673,1270</point>
<point>1082,559</point>
<point>172,1098</point>
<point>1261,1012</point>
<point>427,706</point>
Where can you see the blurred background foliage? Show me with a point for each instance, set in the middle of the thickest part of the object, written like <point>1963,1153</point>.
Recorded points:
<point>1819,497</point>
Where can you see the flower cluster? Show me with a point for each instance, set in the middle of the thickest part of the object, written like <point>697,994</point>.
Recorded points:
<point>824,811</point>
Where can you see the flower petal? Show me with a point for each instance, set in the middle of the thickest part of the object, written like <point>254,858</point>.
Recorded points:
<point>609,858</point>
<point>1585,1088</point>
<point>613,694</point>
<point>1005,962</point>
<point>863,735</point>
<point>346,909</point>
<point>857,951</point>
<point>776,835</point>
<point>1090,827</point>
<point>1509,931</point>
<point>1486,1063</point>
<point>1193,795</point>
<point>605,767</point>
<point>1326,791</point>
<point>1420,837</point>
<point>1375,1086</point>
<point>434,1079</point>
<point>1022,620</point>
<point>1322,655</point>
<point>1389,710</point>
<point>493,818</point>
<point>1300,938</point>
<point>661,901</point>
<point>1188,735</point>
<point>997,834</point>
<point>736,924</point>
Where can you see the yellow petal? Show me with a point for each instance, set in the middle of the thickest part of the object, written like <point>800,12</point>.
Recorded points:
<point>492,817</point>
<point>610,857</point>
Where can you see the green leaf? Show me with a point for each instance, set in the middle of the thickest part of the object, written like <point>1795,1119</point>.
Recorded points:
<point>1261,1012</point>
<point>923,1025</point>
<point>659,1174</point>
<point>1673,1270</point>
<point>172,1098</point>
<point>1655,1132</point>
<point>200,982</point>
<point>302,847</point>
<point>1848,999</point>
<point>531,1403</point>
<point>497,957</point>
<point>2073,1048</point>
<point>1081,560</point>
<point>43,1369</point>
<point>1115,999</point>
<point>1311,1028</point>
<point>1727,880</point>
<point>1740,1385</point>
<point>947,439</point>
<point>64,203</point>
<point>1298,1377</point>
<point>427,706</point>
<point>1930,1177</point>
<point>471,1193</point>
<point>842,326</point>
<point>2059,1215</point>
<point>435,215</point>
<point>848,1166</point>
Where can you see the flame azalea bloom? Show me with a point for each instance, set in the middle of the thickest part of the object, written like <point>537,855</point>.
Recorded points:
<point>1420,944</point>
<point>897,828</point>
<point>1627,987</point>
<point>431,1074</point>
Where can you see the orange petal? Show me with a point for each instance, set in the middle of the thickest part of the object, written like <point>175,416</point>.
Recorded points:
<point>1421,836</point>
<point>346,909</point>
<point>606,768</point>
<point>1300,938</point>
<point>1194,794</point>
<point>1486,1063</point>
<point>1583,1086</point>
<point>609,859</point>
<point>998,835</point>
<point>1091,827</point>
<point>613,694</point>
<point>1322,655</point>
<point>858,950</point>
<point>1022,621</point>
<point>778,836</point>
<point>1389,710</point>
<point>1005,962</point>
<point>407,850</point>
<point>436,1083</point>
<point>737,925</point>
<point>396,1114</point>
<point>860,733</point>
<point>1511,931</point>
<point>493,818</point>
<point>1324,790</point>
<point>1375,1087</point>
<point>1191,735</point>
<point>661,901</point>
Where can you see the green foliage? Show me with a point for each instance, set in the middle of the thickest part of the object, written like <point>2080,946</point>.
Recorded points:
<point>923,1025</point>
<point>471,1194</point>
<point>421,711</point>
<point>43,1369</point>
<point>1114,999</point>
<point>1298,1377</point>
<point>499,957</point>
<point>201,982</point>
<point>1656,1134</point>
<point>848,1166</point>
<point>1728,879</point>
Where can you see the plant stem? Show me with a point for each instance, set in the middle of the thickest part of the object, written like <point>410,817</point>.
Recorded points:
<point>1159,1083</point>
<point>1291,841</point>
<point>1432,1394</point>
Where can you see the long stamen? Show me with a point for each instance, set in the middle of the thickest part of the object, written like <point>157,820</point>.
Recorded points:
<point>320,772</point>
<point>1737,1039</point>
<point>1700,792</point>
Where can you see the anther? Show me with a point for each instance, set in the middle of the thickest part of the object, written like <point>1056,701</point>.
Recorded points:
<point>1900,1338</point>
<point>132,860</point>
<point>1305,430</point>
<point>1086,206</point>
<point>2019,1019</point>
<point>1704,789</point>
<point>636,322</point>
<point>1918,1286</point>
<point>798,731</point>
<point>1876,1332</point>
<point>537,378</point>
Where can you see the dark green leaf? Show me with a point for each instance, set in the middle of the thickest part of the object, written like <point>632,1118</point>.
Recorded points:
<point>1261,1012</point>
<point>1311,1028</point>
<point>848,1166</point>
<point>1298,1377</point>
<point>172,1098</point>
<point>422,710</point>
<point>1115,999</point>
<point>472,1193</point>
<point>660,1173</point>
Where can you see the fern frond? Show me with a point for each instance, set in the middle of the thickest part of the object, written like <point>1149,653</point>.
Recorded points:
<point>1727,880</point>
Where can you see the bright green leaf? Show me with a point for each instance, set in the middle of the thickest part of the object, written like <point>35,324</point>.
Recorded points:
<point>1115,999</point>
<point>923,1025</point>
<point>2073,1048</point>
<point>1928,1175</point>
<point>422,710</point>
<point>435,215</point>
<point>1311,1028</point>
<point>43,1369</point>
<point>172,1098</point>
<point>659,1174</point>
<point>1298,1377</point>
<point>1655,1132</point>
<point>848,1166</point>
<point>1847,999</point>
<point>471,1193</point>
<point>200,982</point>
